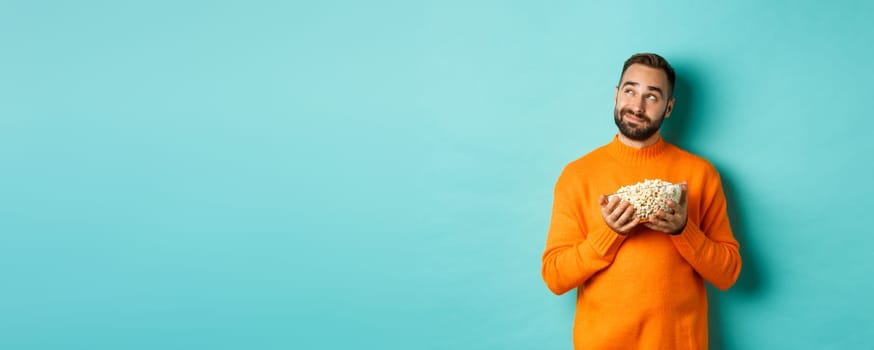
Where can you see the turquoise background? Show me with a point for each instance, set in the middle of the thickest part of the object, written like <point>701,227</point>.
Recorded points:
<point>378,175</point>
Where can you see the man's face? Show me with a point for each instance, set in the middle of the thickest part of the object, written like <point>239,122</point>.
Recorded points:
<point>642,102</point>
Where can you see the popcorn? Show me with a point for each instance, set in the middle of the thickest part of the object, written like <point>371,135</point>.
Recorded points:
<point>649,196</point>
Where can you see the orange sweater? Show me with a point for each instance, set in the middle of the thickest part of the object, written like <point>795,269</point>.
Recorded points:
<point>644,290</point>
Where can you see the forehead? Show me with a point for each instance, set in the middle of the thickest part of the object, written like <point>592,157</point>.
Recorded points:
<point>646,76</point>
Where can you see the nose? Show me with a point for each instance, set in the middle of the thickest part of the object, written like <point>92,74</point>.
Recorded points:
<point>637,104</point>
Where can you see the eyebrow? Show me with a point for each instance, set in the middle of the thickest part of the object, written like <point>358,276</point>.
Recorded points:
<point>651,88</point>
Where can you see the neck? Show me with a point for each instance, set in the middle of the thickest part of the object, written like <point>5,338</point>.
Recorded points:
<point>639,144</point>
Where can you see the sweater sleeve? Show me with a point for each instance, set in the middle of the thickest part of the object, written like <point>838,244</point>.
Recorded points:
<point>709,245</point>
<point>573,255</point>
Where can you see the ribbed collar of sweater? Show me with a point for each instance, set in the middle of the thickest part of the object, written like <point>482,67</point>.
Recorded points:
<point>627,153</point>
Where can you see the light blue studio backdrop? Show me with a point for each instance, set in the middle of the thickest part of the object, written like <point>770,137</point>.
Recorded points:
<point>275,175</point>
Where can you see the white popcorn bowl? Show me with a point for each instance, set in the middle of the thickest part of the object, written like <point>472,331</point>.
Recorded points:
<point>675,193</point>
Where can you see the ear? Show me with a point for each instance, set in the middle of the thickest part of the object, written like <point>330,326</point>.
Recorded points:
<point>669,108</point>
<point>616,95</point>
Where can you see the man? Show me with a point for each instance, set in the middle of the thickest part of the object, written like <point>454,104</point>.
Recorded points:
<point>640,284</point>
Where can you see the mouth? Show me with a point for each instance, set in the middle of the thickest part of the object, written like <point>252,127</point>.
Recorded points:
<point>635,119</point>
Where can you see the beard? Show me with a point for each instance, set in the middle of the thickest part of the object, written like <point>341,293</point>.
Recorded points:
<point>637,131</point>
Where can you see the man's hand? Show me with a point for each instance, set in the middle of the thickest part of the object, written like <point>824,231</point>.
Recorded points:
<point>672,222</point>
<point>618,215</point>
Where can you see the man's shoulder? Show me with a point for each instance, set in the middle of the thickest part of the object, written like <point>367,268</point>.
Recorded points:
<point>691,159</point>
<point>595,156</point>
<point>580,170</point>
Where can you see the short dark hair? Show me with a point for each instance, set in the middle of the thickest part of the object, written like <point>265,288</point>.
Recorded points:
<point>653,61</point>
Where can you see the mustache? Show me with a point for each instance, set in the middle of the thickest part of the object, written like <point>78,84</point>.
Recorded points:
<point>645,117</point>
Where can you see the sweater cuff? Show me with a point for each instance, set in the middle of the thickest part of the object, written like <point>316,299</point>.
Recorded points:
<point>690,241</point>
<point>605,242</point>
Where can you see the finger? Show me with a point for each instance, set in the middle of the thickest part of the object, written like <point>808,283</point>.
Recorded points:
<point>602,201</point>
<point>610,204</point>
<point>662,220</point>
<point>603,205</point>
<point>615,202</point>
<point>626,214</point>
<point>659,225</point>
<point>606,208</point>
<point>657,220</point>
<point>618,211</point>
<point>677,212</point>
<point>630,225</point>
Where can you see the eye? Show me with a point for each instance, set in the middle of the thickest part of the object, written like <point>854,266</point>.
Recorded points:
<point>629,91</point>
<point>652,97</point>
